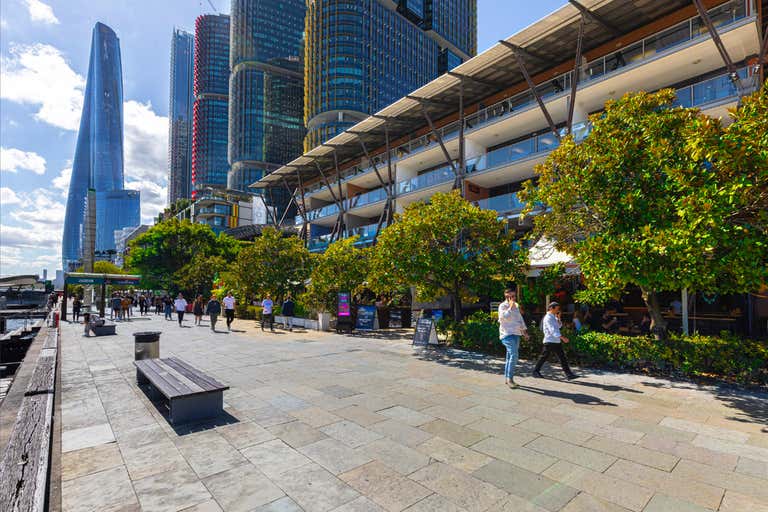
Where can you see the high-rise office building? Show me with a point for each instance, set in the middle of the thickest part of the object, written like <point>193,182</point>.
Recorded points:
<point>210,112</point>
<point>98,162</point>
<point>180,117</point>
<point>362,55</point>
<point>266,90</point>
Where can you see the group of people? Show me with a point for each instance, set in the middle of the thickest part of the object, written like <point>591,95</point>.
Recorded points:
<point>512,326</point>
<point>121,304</point>
<point>199,307</point>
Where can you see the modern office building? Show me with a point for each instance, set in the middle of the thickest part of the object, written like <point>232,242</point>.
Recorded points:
<point>362,55</point>
<point>223,209</point>
<point>485,127</point>
<point>266,89</point>
<point>211,108</point>
<point>98,162</point>
<point>180,116</point>
<point>123,238</point>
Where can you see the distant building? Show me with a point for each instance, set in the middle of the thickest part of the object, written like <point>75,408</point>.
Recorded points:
<point>362,55</point>
<point>266,90</point>
<point>210,112</point>
<point>222,209</point>
<point>98,162</point>
<point>180,116</point>
<point>122,238</point>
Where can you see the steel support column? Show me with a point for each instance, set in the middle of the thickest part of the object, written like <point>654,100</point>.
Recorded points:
<point>575,76</point>
<point>459,183</point>
<point>596,18</point>
<point>532,87</point>
<point>730,66</point>
<point>293,200</point>
<point>269,212</point>
<point>305,225</point>
<point>338,200</point>
<point>439,138</point>
<point>370,160</point>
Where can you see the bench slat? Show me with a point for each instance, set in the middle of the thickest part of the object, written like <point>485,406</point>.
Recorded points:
<point>201,379</point>
<point>162,379</point>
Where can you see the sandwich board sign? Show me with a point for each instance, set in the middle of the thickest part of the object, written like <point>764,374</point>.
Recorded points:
<point>425,333</point>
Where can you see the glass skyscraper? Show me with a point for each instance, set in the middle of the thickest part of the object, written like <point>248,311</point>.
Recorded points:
<point>98,162</point>
<point>211,107</point>
<point>362,55</point>
<point>266,89</point>
<point>180,117</point>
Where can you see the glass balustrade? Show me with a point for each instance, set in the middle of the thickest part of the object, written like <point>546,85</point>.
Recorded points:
<point>374,196</point>
<point>506,203</point>
<point>366,234</point>
<point>713,89</point>
<point>325,211</point>
<point>426,180</point>
<point>319,243</point>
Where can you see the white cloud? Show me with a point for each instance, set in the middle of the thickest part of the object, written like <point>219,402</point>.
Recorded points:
<point>39,75</point>
<point>61,182</point>
<point>13,160</point>
<point>8,197</point>
<point>38,11</point>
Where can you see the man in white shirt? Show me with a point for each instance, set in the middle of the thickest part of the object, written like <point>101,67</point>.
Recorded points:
<point>266,313</point>
<point>181,306</point>
<point>511,327</point>
<point>552,341</point>
<point>229,309</point>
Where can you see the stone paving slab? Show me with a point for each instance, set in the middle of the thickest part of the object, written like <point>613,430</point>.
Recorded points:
<point>319,422</point>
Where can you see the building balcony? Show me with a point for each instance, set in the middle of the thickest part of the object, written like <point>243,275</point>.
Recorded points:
<point>427,180</point>
<point>368,198</point>
<point>367,234</point>
<point>325,211</point>
<point>319,243</point>
<point>505,204</point>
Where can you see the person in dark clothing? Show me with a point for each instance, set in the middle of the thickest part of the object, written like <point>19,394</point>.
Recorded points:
<point>288,310</point>
<point>213,310</point>
<point>76,305</point>
<point>197,309</point>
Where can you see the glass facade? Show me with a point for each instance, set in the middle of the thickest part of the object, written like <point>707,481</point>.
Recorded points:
<point>115,210</point>
<point>180,117</point>
<point>362,55</point>
<point>98,161</point>
<point>210,117</point>
<point>266,90</point>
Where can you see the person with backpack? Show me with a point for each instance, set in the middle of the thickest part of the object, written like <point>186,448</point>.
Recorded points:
<point>213,310</point>
<point>553,341</point>
<point>511,327</point>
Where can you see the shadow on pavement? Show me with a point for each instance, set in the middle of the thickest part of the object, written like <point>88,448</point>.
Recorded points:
<point>578,398</point>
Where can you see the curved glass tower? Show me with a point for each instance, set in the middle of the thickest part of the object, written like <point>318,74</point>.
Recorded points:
<point>98,162</point>
<point>362,55</point>
<point>266,89</point>
<point>180,117</point>
<point>210,112</point>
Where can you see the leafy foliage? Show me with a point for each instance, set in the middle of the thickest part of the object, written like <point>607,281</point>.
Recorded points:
<point>273,264</point>
<point>447,247</point>
<point>167,247</point>
<point>104,267</point>
<point>652,197</point>
<point>196,277</point>
<point>342,268</point>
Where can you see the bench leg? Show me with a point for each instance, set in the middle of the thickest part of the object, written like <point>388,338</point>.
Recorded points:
<point>198,407</point>
<point>140,378</point>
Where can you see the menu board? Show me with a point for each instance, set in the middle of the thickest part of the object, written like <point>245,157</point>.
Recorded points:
<point>395,318</point>
<point>366,318</point>
<point>344,310</point>
<point>425,333</point>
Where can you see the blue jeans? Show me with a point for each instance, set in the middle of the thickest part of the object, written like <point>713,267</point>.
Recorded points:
<point>512,343</point>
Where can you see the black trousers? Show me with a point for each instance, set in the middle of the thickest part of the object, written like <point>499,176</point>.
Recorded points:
<point>267,318</point>
<point>180,315</point>
<point>230,314</point>
<point>557,349</point>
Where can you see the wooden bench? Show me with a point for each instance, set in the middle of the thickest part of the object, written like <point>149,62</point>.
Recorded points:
<point>191,394</point>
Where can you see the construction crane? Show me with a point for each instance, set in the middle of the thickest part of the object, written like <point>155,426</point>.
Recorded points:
<point>213,7</point>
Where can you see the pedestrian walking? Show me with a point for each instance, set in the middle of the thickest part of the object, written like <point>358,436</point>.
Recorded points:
<point>76,305</point>
<point>158,305</point>
<point>125,305</point>
<point>86,324</point>
<point>229,309</point>
<point>168,306</point>
<point>181,306</point>
<point>288,310</point>
<point>266,313</point>
<point>197,309</point>
<point>213,310</point>
<point>511,327</point>
<point>116,306</point>
<point>141,305</point>
<point>553,340</point>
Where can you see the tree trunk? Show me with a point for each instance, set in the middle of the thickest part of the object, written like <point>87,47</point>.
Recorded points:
<point>456,302</point>
<point>658,323</point>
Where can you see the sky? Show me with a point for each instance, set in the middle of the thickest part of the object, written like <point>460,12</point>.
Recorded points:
<point>44,50</point>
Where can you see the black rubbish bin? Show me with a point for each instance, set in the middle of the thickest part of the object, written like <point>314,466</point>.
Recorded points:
<point>147,345</point>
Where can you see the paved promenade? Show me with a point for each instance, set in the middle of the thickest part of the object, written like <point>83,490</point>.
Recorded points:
<point>318,422</point>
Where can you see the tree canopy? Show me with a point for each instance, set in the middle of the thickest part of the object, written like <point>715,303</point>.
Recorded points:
<point>104,267</point>
<point>652,198</point>
<point>343,267</point>
<point>447,247</point>
<point>164,249</point>
<point>274,264</point>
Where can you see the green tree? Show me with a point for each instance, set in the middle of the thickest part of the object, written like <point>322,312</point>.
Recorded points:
<point>641,202</point>
<point>196,277</point>
<point>273,263</point>
<point>161,251</point>
<point>447,247</point>
<point>342,268</point>
<point>104,267</point>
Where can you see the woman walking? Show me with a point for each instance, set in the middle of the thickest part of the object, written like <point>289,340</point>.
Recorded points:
<point>168,307</point>
<point>213,310</point>
<point>181,307</point>
<point>511,327</point>
<point>76,305</point>
<point>197,309</point>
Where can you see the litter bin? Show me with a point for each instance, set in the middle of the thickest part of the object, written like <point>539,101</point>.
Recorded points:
<point>147,344</point>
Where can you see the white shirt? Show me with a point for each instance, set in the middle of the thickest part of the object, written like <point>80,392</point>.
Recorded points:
<point>229,302</point>
<point>551,327</point>
<point>180,304</point>
<point>267,304</point>
<point>510,320</point>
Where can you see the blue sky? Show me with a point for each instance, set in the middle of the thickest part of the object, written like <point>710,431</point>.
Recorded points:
<point>44,46</point>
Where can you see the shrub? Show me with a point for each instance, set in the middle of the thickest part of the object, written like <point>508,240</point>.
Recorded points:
<point>248,312</point>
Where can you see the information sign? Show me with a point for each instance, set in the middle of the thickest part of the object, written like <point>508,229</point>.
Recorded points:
<point>366,318</point>
<point>425,333</point>
<point>343,305</point>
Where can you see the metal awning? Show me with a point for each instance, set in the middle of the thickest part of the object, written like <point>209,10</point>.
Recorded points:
<point>542,46</point>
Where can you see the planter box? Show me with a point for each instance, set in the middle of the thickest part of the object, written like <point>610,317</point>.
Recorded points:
<point>299,322</point>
